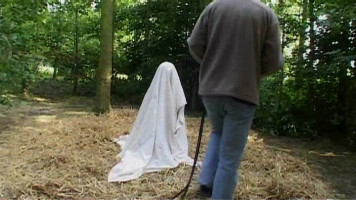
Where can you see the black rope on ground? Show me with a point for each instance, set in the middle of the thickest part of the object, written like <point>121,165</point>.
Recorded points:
<point>184,191</point>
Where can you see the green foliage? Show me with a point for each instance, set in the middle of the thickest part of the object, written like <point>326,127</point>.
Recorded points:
<point>20,46</point>
<point>313,96</point>
<point>152,32</point>
<point>283,109</point>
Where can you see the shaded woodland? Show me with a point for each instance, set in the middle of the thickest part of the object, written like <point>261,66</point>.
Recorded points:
<point>53,48</point>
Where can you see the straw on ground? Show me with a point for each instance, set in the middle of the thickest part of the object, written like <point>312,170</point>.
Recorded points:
<point>61,150</point>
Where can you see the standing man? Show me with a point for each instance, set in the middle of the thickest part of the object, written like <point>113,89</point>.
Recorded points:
<point>236,42</point>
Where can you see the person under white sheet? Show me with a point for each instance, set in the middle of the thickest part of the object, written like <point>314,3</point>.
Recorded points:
<point>158,137</point>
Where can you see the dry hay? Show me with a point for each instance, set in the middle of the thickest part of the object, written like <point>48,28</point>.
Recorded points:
<point>71,157</point>
<point>274,174</point>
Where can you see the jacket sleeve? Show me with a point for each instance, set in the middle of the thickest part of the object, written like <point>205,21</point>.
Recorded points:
<point>272,57</point>
<point>198,39</point>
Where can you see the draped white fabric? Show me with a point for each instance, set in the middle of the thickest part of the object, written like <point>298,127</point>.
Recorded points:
<point>158,138</point>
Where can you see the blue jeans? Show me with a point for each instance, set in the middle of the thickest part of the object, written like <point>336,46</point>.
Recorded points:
<point>231,120</point>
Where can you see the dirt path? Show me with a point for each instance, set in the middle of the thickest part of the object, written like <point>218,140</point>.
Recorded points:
<point>38,110</point>
<point>335,165</point>
<point>273,167</point>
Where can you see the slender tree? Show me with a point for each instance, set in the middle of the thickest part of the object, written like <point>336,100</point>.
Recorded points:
<point>104,71</point>
<point>113,73</point>
<point>301,41</point>
<point>302,36</point>
<point>76,47</point>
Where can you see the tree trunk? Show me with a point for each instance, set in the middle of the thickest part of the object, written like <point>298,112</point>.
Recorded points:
<point>302,29</point>
<point>312,48</point>
<point>55,72</point>
<point>76,47</point>
<point>280,76</point>
<point>301,43</point>
<point>343,84</point>
<point>25,85</point>
<point>59,43</point>
<point>312,85</point>
<point>104,71</point>
<point>353,36</point>
<point>312,20</point>
<point>351,95</point>
<point>281,8</point>
<point>113,73</point>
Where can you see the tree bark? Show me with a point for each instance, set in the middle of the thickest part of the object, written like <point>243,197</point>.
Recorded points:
<point>113,72</point>
<point>58,45</point>
<point>76,47</point>
<point>311,55</point>
<point>281,5</point>
<point>302,36</point>
<point>312,20</point>
<point>301,44</point>
<point>280,76</point>
<point>55,72</point>
<point>312,86</point>
<point>104,71</point>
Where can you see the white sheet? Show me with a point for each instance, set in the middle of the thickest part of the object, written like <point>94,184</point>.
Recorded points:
<point>158,138</point>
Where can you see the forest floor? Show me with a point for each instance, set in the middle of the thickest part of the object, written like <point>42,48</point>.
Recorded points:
<point>59,149</point>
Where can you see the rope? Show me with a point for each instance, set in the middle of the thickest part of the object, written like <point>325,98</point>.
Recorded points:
<point>184,191</point>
